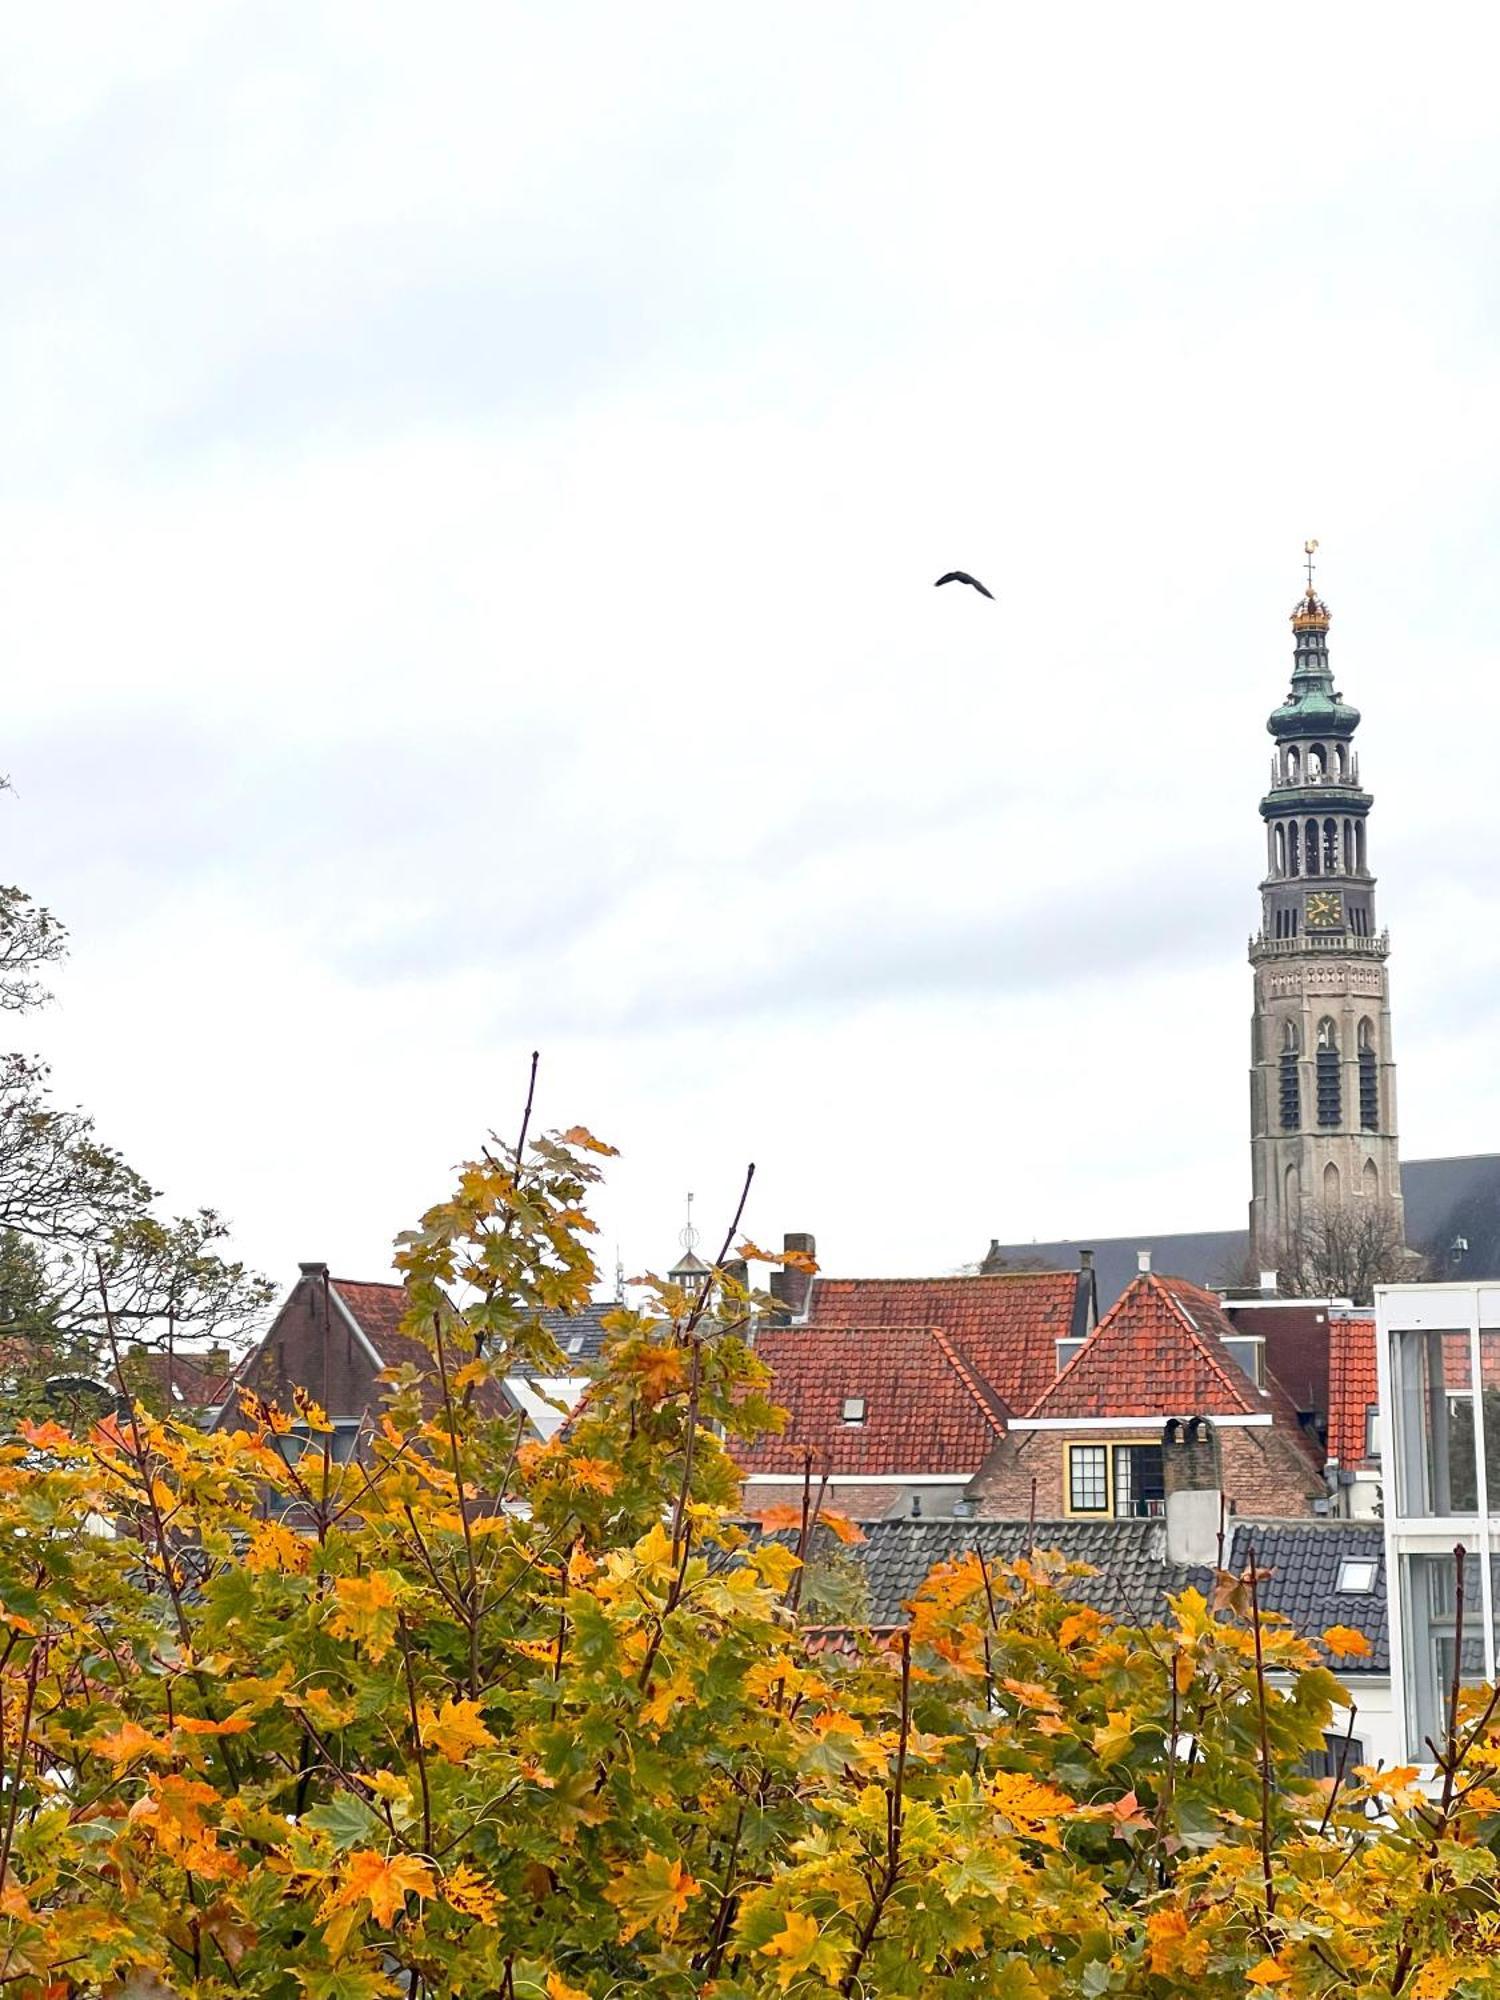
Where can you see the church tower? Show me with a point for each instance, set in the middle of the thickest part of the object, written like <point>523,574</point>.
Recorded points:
<point>1322,1078</point>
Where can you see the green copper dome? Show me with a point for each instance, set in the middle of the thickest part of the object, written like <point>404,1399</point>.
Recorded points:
<point>1314,706</point>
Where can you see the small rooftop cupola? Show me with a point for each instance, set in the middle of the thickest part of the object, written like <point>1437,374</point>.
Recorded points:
<point>690,1269</point>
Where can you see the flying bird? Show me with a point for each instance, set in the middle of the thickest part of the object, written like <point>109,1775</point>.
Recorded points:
<point>962,576</point>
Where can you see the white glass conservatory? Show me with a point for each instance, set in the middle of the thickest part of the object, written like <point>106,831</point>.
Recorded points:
<point>1438,1354</point>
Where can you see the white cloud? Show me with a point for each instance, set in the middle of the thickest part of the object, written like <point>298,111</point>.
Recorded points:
<point>471,498</point>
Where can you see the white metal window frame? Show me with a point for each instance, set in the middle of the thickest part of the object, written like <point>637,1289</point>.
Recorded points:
<point>1401,1309</point>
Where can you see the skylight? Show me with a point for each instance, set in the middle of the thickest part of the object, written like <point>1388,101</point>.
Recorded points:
<point>1356,1576</point>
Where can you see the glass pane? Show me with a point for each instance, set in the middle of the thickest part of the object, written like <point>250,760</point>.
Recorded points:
<point>1429,1600</point>
<point>1087,1485</point>
<point>1437,1465</point>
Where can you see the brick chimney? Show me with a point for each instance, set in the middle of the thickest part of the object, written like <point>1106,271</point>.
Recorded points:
<point>790,1288</point>
<point>1193,1481</point>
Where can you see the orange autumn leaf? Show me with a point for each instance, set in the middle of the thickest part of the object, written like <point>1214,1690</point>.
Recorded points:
<point>1345,1643</point>
<point>840,1527</point>
<point>48,1436</point>
<point>660,1370</point>
<point>772,1518</point>
<point>383,1881</point>
<point>125,1744</point>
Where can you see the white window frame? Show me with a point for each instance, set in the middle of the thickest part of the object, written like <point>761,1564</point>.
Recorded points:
<point>1399,1310</point>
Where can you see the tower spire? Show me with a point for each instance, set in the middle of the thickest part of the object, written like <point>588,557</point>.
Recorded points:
<point>1323,1086</point>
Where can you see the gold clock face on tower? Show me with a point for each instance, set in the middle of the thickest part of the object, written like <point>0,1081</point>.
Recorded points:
<point>1325,910</point>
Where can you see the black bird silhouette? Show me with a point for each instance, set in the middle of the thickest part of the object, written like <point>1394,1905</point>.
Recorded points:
<point>962,576</point>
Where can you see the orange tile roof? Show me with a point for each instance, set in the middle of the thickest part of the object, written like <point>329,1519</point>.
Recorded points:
<point>1158,1352</point>
<point>1353,1389</point>
<point>1004,1324</point>
<point>925,1410</point>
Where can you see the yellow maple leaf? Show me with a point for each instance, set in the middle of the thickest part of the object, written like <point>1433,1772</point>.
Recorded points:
<point>1437,1978</point>
<point>454,1729</point>
<point>275,1550</point>
<point>365,1611</point>
<point>794,1944</point>
<point>1345,1643</point>
<point>559,1989</point>
<point>467,1891</point>
<point>654,1893</point>
<point>1270,1972</point>
<point>1031,1807</point>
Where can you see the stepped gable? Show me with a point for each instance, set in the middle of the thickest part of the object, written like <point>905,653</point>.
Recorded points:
<point>1353,1389</point>
<point>1004,1324</point>
<point>924,1411</point>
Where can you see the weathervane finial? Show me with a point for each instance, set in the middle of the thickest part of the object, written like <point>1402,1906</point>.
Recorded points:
<point>688,1238</point>
<point>1310,549</point>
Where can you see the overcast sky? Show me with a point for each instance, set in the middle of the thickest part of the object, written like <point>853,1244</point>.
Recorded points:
<point>472,482</point>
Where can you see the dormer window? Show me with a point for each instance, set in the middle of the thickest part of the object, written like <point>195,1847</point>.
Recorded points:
<point>853,1410</point>
<point>1249,1355</point>
<point>1066,1349</point>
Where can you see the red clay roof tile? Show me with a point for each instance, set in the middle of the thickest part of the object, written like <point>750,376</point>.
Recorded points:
<point>925,1410</point>
<point>1353,1389</point>
<point>1005,1325</point>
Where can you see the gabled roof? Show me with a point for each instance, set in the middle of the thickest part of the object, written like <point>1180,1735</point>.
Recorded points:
<point>1352,1388</point>
<point>1005,1325</point>
<point>925,1411</point>
<point>1158,1352</point>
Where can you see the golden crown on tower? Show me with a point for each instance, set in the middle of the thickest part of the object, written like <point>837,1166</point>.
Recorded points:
<point>1310,614</point>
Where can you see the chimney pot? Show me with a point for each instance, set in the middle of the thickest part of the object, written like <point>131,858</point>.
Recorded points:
<point>1143,1260</point>
<point>1085,1260</point>
<point>313,1270</point>
<point>1268,1284</point>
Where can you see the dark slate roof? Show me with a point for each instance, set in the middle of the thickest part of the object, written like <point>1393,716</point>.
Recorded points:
<point>1206,1257</point>
<point>584,1327</point>
<point>1134,1576</point>
<point>1445,1199</point>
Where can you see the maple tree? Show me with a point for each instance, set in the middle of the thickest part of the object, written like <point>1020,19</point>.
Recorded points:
<point>475,1715</point>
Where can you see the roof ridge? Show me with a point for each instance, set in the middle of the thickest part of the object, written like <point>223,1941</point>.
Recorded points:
<point>958,1277</point>
<point>1239,1390</point>
<point>970,1382</point>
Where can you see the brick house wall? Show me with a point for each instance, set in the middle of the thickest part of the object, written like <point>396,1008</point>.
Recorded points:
<point>312,1345</point>
<point>1265,1473</point>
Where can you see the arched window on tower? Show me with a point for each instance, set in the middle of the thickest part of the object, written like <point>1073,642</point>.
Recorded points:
<point>1317,764</point>
<point>1369,1077</point>
<point>1311,846</point>
<point>1343,760</point>
<point>1278,848</point>
<point>1330,847</point>
<point>1348,848</point>
<point>1330,1083</point>
<point>1331,1190</point>
<point>1359,845</point>
<point>1291,1080</point>
<point>1369,1182</point>
<point>1291,1211</point>
<point>1293,766</point>
<point>1294,847</point>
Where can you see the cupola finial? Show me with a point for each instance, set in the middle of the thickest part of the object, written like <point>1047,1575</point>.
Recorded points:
<point>1311,613</point>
